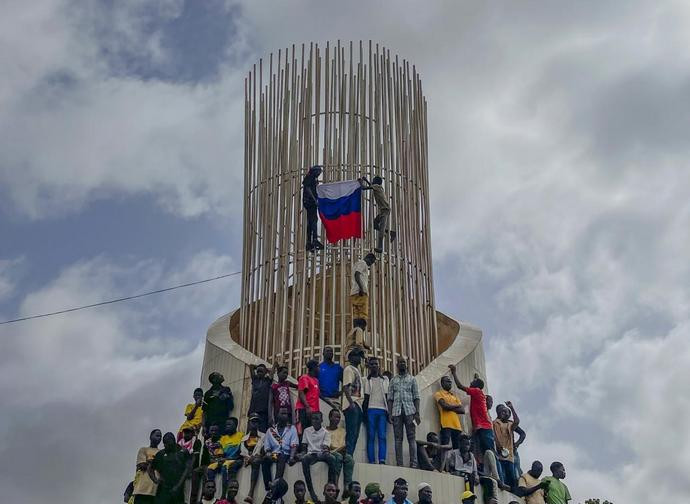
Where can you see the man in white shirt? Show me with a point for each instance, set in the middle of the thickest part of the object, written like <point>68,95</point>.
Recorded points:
<point>376,411</point>
<point>359,291</point>
<point>354,397</point>
<point>316,441</point>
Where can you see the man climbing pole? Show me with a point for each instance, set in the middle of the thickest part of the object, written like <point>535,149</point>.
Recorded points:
<point>310,204</point>
<point>383,207</point>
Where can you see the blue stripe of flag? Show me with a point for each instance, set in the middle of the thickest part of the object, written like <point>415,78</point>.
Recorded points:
<point>332,209</point>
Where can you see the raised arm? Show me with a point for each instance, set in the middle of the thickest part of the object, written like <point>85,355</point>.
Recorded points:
<point>516,418</point>
<point>364,184</point>
<point>252,371</point>
<point>454,374</point>
<point>415,395</point>
<point>521,436</point>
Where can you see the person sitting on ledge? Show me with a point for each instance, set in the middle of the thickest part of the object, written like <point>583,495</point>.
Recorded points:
<point>231,442</point>
<point>212,455</point>
<point>463,463</point>
<point>432,454</point>
<point>343,460</point>
<point>399,492</point>
<point>193,413</point>
<point>316,440</point>
<point>300,491</point>
<point>279,448</point>
<point>424,493</point>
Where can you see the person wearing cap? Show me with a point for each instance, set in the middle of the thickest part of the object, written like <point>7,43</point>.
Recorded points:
<point>424,493</point>
<point>468,497</point>
<point>403,408</point>
<point>310,204</point>
<point>354,396</point>
<point>383,208</point>
<point>399,492</point>
<point>373,494</point>
<point>218,402</point>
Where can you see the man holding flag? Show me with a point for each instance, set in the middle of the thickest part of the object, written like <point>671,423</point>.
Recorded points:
<point>310,204</point>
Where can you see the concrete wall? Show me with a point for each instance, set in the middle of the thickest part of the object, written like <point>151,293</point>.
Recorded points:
<point>465,351</point>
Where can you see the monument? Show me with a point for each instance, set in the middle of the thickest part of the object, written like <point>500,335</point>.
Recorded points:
<point>358,111</point>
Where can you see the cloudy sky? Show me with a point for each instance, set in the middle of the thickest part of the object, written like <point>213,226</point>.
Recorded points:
<point>560,207</point>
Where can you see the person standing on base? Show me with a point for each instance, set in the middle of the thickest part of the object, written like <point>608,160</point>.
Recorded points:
<point>310,204</point>
<point>169,470</point>
<point>530,486</point>
<point>403,408</point>
<point>144,487</point>
<point>262,380</point>
<point>556,491</point>
<point>376,411</point>
<point>330,374</point>
<point>352,406</point>
<point>503,432</point>
<point>449,410</point>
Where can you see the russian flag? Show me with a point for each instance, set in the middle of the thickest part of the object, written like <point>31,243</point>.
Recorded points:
<point>340,208</point>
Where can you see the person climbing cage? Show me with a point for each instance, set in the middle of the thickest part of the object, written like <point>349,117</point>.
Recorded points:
<point>383,207</point>
<point>310,204</point>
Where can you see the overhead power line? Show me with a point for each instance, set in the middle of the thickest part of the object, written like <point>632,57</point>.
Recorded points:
<point>118,300</point>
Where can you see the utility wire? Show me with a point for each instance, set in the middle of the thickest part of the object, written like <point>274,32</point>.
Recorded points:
<point>126,298</point>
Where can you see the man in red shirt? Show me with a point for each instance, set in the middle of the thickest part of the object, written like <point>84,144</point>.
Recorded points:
<point>483,428</point>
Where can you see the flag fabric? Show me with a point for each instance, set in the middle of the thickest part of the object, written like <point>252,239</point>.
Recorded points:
<point>340,208</point>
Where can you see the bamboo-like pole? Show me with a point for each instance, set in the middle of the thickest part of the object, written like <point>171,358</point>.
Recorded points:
<point>358,111</point>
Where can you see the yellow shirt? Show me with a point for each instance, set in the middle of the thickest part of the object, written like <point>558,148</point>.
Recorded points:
<point>195,422</point>
<point>337,438</point>
<point>528,481</point>
<point>143,485</point>
<point>449,419</point>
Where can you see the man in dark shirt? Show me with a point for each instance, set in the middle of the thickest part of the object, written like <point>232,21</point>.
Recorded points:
<point>218,402</point>
<point>261,393</point>
<point>173,465</point>
<point>310,203</point>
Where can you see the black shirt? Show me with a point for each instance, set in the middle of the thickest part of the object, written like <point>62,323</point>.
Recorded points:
<point>309,183</point>
<point>171,466</point>
<point>261,390</point>
<point>218,403</point>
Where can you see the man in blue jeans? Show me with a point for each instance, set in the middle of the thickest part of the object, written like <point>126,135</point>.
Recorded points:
<point>352,405</point>
<point>376,411</point>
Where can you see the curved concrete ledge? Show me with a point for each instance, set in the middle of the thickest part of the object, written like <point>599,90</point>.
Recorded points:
<point>465,350</point>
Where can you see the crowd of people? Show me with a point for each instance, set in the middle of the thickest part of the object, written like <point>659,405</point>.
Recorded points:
<point>208,448</point>
<point>208,445</point>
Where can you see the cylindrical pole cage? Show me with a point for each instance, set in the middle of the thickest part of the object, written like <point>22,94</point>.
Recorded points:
<point>358,112</point>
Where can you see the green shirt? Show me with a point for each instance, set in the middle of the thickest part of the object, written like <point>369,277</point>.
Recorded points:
<point>557,492</point>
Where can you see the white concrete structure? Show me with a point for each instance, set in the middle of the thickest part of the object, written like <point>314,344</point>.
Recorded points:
<point>224,355</point>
